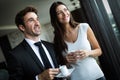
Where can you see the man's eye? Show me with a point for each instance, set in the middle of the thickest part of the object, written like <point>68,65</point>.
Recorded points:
<point>30,20</point>
<point>65,9</point>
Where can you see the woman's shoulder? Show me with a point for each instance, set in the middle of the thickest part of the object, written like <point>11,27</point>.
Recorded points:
<point>84,26</point>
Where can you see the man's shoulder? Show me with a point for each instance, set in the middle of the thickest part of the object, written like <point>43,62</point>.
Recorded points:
<point>46,42</point>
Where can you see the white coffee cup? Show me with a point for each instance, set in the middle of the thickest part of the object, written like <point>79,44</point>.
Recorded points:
<point>64,70</point>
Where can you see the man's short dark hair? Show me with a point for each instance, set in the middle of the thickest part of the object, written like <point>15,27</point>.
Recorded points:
<point>19,19</point>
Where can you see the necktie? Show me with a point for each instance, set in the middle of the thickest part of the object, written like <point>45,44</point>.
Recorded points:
<point>43,56</point>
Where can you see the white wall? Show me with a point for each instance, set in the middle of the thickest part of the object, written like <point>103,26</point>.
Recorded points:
<point>47,33</point>
<point>15,38</point>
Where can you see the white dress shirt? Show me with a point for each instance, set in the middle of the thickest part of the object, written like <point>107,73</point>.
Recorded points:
<point>36,50</point>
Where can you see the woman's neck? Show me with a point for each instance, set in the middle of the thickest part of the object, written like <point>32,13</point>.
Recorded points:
<point>68,28</point>
<point>70,31</point>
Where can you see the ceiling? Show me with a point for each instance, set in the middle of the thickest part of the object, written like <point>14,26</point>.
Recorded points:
<point>9,8</point>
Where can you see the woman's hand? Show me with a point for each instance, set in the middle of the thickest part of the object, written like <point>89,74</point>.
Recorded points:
<point>72,57</point>
<point>81,54</point>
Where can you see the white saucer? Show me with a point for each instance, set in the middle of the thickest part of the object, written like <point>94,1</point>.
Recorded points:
<point>60,74</point>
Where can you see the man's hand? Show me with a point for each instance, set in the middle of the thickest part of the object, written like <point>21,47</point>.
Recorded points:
<point>48,74</point>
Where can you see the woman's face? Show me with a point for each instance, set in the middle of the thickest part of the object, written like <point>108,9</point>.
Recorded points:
<point>63,14</point>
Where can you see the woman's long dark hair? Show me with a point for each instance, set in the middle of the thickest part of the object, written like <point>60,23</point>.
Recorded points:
<point>59,31</point>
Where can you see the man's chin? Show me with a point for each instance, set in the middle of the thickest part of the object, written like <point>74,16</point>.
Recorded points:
<point>38,34</point>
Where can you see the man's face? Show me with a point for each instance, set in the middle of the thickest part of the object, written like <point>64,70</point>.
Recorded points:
<point>32,25</point>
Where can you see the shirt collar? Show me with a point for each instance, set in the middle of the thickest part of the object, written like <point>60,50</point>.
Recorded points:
<point>31,42</point>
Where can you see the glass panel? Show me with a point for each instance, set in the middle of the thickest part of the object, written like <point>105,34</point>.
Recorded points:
<point>111,18</point>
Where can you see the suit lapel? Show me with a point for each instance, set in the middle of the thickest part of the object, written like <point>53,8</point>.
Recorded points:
<point>32,54</point>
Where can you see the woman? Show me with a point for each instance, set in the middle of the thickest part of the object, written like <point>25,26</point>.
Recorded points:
<point>75,44</point>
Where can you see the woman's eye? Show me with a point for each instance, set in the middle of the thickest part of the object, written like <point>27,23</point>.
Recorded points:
<point>59,13</point>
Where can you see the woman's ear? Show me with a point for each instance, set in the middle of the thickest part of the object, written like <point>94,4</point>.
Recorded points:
<point>22,28</point>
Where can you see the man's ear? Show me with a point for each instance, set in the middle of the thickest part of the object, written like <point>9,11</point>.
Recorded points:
<point>22,28</point>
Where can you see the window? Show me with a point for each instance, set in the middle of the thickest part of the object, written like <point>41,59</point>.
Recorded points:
<point>111,18</point>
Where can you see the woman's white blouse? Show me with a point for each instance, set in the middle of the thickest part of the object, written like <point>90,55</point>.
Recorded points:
<point>86,69</point>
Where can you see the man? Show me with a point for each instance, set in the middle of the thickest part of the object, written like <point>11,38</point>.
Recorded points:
<point>25,62</point>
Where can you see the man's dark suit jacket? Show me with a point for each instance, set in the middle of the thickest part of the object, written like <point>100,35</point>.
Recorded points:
<point>23,64</point>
